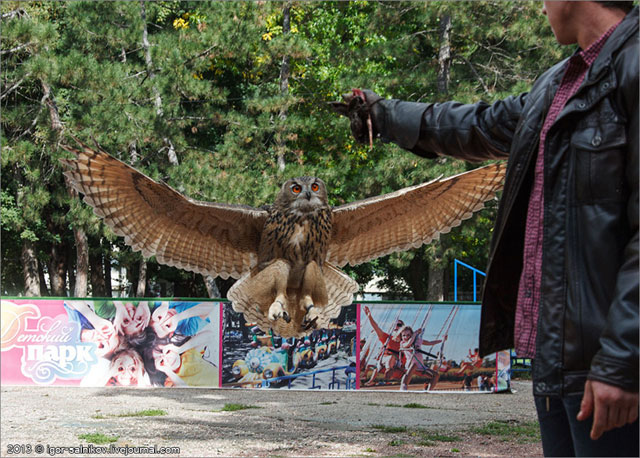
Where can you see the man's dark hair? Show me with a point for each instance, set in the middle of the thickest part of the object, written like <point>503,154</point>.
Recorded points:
<point>624,6</point>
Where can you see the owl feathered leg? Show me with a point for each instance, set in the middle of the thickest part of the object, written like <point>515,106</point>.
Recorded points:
<point>267,289</point>
<point>313,294</point>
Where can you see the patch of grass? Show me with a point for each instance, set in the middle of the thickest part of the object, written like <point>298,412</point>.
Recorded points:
<point>98,416</point>
<point>437,437</point>
<point>526,432</point>
<point>396,442</point>
<point>98,438</point>
<point>235,407</point>
<point>390,429</point>
<point>429,439</point>
<point>426,443</point>
<point>143,413</point>
<point>369,450</point>
<point>455,450</point>
<point>415,405</point>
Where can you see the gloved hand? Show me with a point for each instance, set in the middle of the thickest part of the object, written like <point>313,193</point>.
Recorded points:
<point>364,112</point>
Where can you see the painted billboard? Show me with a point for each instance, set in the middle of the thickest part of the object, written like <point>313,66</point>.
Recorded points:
<point>203,343</point>
<point>110,343</point>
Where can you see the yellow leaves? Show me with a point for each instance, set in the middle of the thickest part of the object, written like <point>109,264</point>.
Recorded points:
<point>267,36</point>
<point>358,152</point>
<point>183,22</point>
<point>180,24</point>
<point>197,76</point>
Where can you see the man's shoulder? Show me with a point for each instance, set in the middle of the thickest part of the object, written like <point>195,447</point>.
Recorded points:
<point>551,76</point>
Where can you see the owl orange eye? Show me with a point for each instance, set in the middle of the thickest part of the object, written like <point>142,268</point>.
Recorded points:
<point>315,187</point>
<point>296,188</point>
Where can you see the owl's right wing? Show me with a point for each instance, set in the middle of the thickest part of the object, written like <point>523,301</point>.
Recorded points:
<point>214,239</point>
<point>410,217</point>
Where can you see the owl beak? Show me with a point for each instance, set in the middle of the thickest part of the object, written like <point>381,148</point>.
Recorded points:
<point>307,194</point>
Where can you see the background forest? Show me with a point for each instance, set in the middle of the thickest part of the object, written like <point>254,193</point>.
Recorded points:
<point>226,100</point>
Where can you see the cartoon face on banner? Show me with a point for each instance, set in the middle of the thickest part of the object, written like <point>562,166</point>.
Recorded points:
<point>111,343</point>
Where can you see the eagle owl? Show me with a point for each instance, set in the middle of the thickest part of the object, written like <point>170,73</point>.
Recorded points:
<point>287,255</point>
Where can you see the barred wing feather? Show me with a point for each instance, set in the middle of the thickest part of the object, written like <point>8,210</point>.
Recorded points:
<point>214,239</point>
<point>408,218</point>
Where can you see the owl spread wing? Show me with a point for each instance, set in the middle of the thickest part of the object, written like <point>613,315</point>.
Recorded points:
<point>209,238</point>
<point>410,217</point>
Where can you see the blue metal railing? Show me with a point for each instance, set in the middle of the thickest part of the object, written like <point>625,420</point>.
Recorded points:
<point>455,279</point>
<point>334,384</point>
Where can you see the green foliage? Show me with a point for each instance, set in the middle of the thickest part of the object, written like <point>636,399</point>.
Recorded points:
<point>207,87</point>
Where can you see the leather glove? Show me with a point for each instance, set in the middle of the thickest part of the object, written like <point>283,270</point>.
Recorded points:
<point>365,114</point>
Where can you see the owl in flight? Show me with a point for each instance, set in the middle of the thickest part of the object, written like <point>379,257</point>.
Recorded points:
<point>287,255</point>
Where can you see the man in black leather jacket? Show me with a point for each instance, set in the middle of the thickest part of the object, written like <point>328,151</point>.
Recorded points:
<point>586,349</point>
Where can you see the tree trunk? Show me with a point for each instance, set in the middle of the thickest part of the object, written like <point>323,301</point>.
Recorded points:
<point>30,269</point>
<point>141,288</point>
<point>58,270</point>
<point>416,278</point>
<point>98,287</point>
<point>436,282</point>
<point>44,290</point>
<point>146,46</point>
<point>69,259</point>
<point>147,59</point>
<point>212,288</point>
<point>285,72</point>
<point>80,236</point>
<point>82,263</point>
<point>444,57</point>
<point>106,250</point>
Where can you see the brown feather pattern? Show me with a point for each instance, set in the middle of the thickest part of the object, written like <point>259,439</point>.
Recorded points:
<point>410,217</point>
<point>209,238</point>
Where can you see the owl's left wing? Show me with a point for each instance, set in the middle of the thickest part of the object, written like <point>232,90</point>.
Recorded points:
<point>408,218</point>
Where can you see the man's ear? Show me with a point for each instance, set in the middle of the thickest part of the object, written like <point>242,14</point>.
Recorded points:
<point>340,108</point>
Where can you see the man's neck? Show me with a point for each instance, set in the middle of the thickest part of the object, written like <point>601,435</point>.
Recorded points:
<point>595,21</point>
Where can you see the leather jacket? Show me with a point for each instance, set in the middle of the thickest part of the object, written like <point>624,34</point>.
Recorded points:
<point>588,312</point>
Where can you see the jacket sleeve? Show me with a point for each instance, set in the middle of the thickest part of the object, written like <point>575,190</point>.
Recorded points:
<point>617,360</point>
<point>473,132</point>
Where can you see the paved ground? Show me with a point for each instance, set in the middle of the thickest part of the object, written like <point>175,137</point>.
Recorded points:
<point>40,421</point>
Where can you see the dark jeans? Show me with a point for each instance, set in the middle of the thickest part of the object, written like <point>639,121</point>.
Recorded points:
<point>563,435</point>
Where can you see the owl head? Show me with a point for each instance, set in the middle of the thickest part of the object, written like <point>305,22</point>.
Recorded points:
<point>302,195</point>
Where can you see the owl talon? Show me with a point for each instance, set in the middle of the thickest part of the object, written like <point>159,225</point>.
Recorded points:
<point>310,324</point>
<point>278,310</point>
<point>311,318</point>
